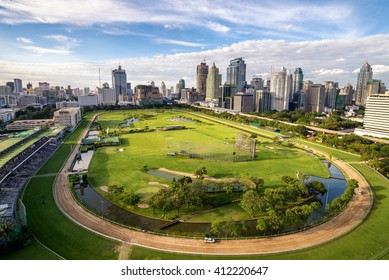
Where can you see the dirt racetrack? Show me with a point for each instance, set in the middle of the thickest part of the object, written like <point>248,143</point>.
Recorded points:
<point>350,218</point>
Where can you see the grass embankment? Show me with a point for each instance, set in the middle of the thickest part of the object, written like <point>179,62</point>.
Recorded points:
<point>57,232</point>
<point>33,251</point>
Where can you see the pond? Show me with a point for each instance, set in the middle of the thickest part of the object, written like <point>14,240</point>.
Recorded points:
<point>335,186</point>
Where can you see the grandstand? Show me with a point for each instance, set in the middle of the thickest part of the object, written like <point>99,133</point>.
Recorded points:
<point>19,161</point>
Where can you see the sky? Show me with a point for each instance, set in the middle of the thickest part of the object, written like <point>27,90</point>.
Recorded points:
<point>70,42</point>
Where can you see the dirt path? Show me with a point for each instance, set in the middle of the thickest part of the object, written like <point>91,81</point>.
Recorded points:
<point>351,217</point>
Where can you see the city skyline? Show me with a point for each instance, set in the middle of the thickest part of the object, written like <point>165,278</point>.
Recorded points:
<point>68,42</point>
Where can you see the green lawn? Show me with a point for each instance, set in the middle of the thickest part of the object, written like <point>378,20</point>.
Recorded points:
<point>343,155</point>
<point>33,251</point>
<point>56,231</point>
<point>111,167</point>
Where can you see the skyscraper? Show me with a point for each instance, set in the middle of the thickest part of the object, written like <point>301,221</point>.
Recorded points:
<point>119,82</point>
<point>347,94</point>
<point>18,85</point>
<point>213,83</point>
<point>315,98</point>
<point>163,89</point>
<point>236,74</point>
<point>330,94</point>
<point>257,82</point>
<point>181,86</point>
<point>201,78</point>
<point>297,87</point>
<point>281,89</point>
<point>376,120</point>
<point>364,76</point>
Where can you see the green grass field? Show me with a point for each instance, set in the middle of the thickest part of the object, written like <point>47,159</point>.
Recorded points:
<point>33,251</point>
<point>111,167</point>
<point>56,231</point>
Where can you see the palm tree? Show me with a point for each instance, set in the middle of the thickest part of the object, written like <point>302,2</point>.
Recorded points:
<point>5,234</point>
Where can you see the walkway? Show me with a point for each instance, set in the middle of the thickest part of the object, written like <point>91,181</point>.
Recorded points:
<point>350,218</point>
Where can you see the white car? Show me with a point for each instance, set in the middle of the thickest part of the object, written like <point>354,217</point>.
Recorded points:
<point>209,240</point>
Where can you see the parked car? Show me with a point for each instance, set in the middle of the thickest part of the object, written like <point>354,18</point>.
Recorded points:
<point>209,240</point>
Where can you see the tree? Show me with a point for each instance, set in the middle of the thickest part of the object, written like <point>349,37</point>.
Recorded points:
<point>130,199</point>
<point>201,172</point>
<point>317,187</point>
<point>228,227</point>
<point>115,190</point>
<point>6,230</point>
<point>251,202</point>
<point>259,182</point>
<point>229,190</point>
<point>275,219</point>
<point>272,197</point>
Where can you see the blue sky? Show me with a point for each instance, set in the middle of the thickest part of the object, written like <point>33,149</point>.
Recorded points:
<point>66,42</point>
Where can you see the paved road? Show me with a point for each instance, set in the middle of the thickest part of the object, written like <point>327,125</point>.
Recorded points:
<point>350,218</point>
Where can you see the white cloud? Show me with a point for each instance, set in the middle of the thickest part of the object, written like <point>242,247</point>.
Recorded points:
<point>379,69</point>
<point>340,59</point>
<point>180,43</point>
<point>24,40</point>
<point>42,51</point>
<point>287,27</point>
<point>174,26</point>
<point>326,72</point>
<point>217,27</point>
<point>216,15</point>
<point>317,60</point>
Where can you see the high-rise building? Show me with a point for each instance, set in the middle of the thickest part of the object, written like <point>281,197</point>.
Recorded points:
<point>236,74</point>
<point>330,93</point>
<point>262,100</point>
<point>297,87</point>
<point>243,102</point>
<point>347,94</point>
<point>18,86</point>
<point>106,96</point>
<point>181,86</point>
<point>315,98</point>
<point>281,89</point>
<point>119,82</point>
<point>375,87</point>
<point>376,120</point>
<point>213,84</point>
<point>201,78</point>
<point>163,89</point>
<point>257,82</point>
<point>364,76</point>
<point>11,85</point>
<point>44,86</point>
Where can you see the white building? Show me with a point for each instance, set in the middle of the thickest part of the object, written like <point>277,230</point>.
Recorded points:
<point>87,100</point>
<point>281,89</point>
<point>376,120</point>
<point>106,96</point>
<point>66,104</point>
<point>7,115</point>
<point>69,117</point>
